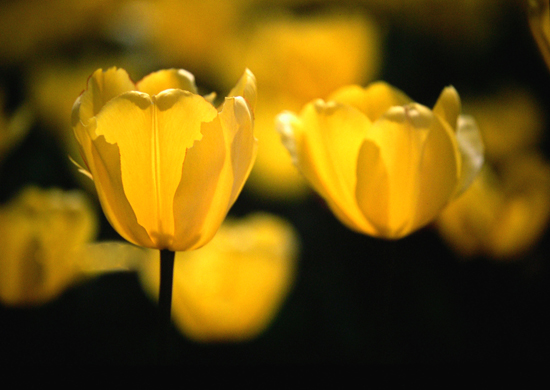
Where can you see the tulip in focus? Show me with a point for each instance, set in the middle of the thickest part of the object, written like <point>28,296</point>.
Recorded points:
<point>166,163</point>
<point>42,234</point>
<point>385,165</point>
<point>231,289</point>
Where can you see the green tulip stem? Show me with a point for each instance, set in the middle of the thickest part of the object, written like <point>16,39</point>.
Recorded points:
<point>165,302</point>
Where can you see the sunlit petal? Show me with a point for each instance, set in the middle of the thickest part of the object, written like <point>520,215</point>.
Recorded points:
<point>448,106</point>
<point>105,167</point>
<point>246,87</point>
<point>471,149</point>
<point>439,175</point>
<point>204,176</point>
<point>103,86</point>
<point>162,80</point>
<point>373,101</point>
<point>327,138</point>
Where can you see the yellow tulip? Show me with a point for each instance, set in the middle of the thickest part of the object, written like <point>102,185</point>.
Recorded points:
<point>41,235</point>
<point>504,213</point>
<point>230,289</point>
<point>510,120</point>
<point>166,163</point>
<point>385,165</point>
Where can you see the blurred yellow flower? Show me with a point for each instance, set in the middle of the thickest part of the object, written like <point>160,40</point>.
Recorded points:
<point>510,120</point>
<point>193,32</point>
<point>502,215</point>
<point>41,235</point>
<point>167,165</point>
<point>307,56</point>
<point>295,60</point>
<point>385,165</point>
<point>231,289</point>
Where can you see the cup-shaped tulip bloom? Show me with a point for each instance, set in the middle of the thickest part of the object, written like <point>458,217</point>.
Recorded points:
<point>385,165</point>
<point>230,289</point>
<point>167,164</point>
<point>42,235</point>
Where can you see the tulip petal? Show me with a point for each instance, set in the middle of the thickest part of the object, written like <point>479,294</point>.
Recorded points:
<point>204,174</point>
<point>79,130</point>
<point>438,178</point>
<point>105,167</point>
<point>246,87</point>
<point>153,139</point>
<point>238,124</point>
<point>400,135</point>
<point>470,145</point>
<point>219,164</point>
<point>373,100</point>
<point>448,106</point>
<point>327,140</point>
<point>102,87</point>
<point>162,80</point>
<point>373,188</point>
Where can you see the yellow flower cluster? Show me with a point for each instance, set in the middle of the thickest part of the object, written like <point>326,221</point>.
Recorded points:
<point>168,162</point>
